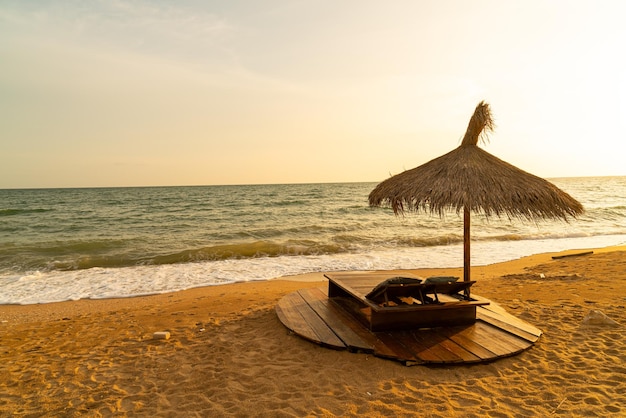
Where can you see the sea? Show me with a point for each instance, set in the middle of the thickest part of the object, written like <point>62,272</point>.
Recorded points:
<point>70,244</point>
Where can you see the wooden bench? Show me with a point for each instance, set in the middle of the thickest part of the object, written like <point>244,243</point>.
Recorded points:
<point>373,309</point>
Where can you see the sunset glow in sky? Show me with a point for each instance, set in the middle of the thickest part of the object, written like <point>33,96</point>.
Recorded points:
<point>140,93</point>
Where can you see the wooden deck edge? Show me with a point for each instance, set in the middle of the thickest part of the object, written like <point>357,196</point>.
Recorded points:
<point>343,328</point>
<point>299,317</point>
<point>524,330</point>
<point>445,351</point>
<point>312,315</point>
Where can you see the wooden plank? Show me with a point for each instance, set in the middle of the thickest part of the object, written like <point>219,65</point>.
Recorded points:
<point>497,341</point>
<point>421,317</point>
<point>459,350</point>
<point>557,257</point>
<point>283,317</point>
<point>487,341</point>
<point>394,341</point>
<point>496,311</point>
<point>291,318</point>
<point>337,288</point>
<point>307,323</point>
<point>506,327</point>
<point>360,287</point>
<point>491,305</point>
<point>523,325</point>
<point>518,328</point>
<point>349,319</point>
<point>427,352</point>
<point>336,291</point>
<point>379,347</point>
<point>418,307</point>
<point>358,284</point>
<point>326,334</point>
<point>464,336</point>
<point>319,302</point>
<point>433,342</point>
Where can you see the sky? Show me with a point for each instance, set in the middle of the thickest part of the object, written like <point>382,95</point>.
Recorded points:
<point>158,93</point>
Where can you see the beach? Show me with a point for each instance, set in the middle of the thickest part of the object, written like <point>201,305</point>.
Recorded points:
<point>229,355</point>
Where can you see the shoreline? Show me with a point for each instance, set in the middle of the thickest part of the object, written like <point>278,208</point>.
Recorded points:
<point>229,355</point>
<point>483,272</point>
<point>144,280</point>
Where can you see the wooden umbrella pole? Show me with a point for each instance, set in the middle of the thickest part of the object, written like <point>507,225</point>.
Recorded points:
<point>466,244</point>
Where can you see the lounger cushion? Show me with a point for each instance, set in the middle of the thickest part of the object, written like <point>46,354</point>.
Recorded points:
<point>441,279</point>
<point>380,287</point>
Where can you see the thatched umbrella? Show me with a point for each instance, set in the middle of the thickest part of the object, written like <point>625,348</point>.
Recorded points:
<point>470,179</point>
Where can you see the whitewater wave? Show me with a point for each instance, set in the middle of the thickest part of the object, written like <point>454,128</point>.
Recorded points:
<point>110,254</point>
<point>99,283</point>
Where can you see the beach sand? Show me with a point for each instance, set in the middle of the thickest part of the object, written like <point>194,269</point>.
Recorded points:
<point>229,355</point>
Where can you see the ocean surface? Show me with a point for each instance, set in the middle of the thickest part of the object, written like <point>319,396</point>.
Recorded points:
<point>69,244</point>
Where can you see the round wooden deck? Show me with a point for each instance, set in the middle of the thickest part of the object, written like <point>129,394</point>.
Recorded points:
<point>312,315</point>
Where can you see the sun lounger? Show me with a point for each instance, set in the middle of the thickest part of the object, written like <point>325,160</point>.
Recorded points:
<point>397,288</point>
<point>403,303</point>
<point>393,288</point>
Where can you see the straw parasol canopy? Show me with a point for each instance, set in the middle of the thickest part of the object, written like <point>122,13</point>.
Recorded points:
<point>470,179</point>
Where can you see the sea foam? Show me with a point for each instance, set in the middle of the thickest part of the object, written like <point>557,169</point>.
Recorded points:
<point>101,283</point>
